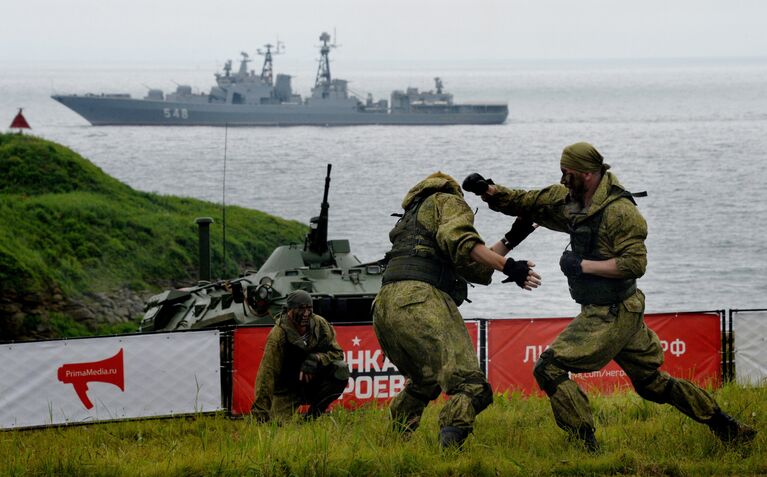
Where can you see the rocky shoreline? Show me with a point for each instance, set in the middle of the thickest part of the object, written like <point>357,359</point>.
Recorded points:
<point>28,317</point>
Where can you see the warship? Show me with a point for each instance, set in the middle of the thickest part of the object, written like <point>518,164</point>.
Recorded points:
<point>244,98</point>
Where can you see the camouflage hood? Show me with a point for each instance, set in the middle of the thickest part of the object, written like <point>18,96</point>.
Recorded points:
<point>437,182</point>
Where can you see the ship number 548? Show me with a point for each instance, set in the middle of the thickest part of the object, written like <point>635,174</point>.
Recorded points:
<point>175,113</point>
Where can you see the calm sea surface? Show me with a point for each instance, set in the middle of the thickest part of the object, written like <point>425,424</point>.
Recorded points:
<point>693,133</point>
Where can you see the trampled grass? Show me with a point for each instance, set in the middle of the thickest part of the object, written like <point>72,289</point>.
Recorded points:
<point>515,436</point>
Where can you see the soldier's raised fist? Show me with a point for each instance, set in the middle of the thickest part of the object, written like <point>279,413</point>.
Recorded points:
<point>476,184</point>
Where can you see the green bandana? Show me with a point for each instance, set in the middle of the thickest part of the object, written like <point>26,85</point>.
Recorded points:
<point>582,157</point>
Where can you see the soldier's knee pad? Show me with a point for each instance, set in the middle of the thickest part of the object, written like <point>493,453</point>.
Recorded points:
<point>482,400</point>
<point>654,389</point>
<point>543,376</point>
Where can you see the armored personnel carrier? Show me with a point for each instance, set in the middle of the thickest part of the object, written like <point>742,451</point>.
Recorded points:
<point>342,287</point>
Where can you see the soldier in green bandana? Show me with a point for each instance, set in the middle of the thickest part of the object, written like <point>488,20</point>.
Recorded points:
<point>302,364</point>
<point>607,235</point>
<point>435,250</point>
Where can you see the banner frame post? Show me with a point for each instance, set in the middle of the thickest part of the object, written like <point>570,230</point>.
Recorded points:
<point>226,369</point>
<point>725,353</point>
<point>731,344</point>
<point>482,345</point>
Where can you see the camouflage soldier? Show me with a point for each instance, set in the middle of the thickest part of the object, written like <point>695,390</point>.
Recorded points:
<point>416,318</point>
<point>607,235</point>
<point>302,364</point>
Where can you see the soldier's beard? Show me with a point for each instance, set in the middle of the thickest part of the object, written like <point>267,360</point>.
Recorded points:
<point>577,187</point>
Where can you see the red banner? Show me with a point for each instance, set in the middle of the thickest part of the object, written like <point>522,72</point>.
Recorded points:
<point>248,349</point>
<point>691,344</point>
<point>373,376</point>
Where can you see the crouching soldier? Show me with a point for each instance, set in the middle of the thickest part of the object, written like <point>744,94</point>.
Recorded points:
<point>302,364</point>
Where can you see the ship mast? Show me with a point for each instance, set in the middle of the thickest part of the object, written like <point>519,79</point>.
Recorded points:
<point>244,64</point>
<point>267,74</point>
<point>323,72</point>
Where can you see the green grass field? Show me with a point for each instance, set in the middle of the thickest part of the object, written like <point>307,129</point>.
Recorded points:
<point>515,436</point>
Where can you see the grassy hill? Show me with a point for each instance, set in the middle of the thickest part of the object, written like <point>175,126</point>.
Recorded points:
<point>69,232</point>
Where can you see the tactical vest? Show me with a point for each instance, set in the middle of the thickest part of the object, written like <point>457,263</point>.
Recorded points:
<point>416,256</point>
<point>588,289</point>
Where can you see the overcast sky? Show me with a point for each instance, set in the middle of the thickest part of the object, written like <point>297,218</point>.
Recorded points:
<point>163,30</point>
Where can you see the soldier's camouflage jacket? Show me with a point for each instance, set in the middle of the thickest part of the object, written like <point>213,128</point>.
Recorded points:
<point>622,231</point>
<point>447,213</point>
<point>284,353</point>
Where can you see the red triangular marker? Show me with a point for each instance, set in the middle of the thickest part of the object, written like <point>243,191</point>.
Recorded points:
<point>19,122</point>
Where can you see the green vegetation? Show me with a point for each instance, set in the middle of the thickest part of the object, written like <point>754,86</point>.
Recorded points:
<point>515,436</point>
<point>68,228</point>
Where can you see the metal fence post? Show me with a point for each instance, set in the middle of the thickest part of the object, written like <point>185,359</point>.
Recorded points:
<point>226,368</point>
<point>483,345</point>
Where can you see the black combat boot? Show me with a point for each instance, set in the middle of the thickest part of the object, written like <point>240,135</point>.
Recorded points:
<point>452,437</point>
<point>589,440</point>
<point>729,430</point>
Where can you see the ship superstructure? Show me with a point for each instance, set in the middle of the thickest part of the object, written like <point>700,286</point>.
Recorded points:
<point>244,98</point>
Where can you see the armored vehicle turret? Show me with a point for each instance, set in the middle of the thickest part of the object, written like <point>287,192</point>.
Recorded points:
<point>342,287</point>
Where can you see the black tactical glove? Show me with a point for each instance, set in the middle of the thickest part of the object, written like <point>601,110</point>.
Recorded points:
<point>520,229</point>
<point>570,263</point>
<point>516,271</point>
<point>476,184</point>
<point>310,365</point>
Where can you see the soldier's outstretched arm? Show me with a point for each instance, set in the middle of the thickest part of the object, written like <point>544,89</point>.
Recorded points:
<point>519,231</point>
<point>517,271</point>
<point>543,206</point>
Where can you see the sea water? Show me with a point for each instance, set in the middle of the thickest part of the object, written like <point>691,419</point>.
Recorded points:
<point>692,133</point>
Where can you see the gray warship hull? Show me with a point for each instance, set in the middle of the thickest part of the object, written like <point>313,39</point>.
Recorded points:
<point>120,111</point>
<point>244,98</point>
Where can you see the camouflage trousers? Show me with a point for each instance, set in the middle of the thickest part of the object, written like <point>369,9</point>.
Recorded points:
<point>318,394</point>
<point>598,335</point>
<point>423,334</point>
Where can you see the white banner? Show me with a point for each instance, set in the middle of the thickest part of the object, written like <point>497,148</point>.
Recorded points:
<point>750,329</point>
<point>84,380</point>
